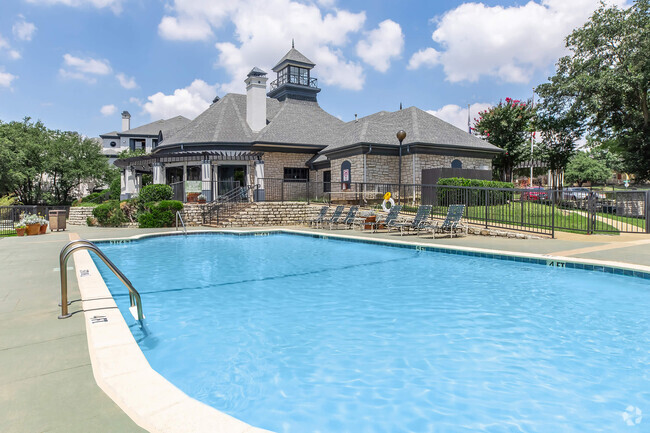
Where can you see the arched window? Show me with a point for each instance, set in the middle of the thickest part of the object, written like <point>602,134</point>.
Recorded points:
<point>456,163</point>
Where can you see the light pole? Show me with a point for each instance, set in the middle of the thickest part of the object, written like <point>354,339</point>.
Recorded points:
<point>401,135</point>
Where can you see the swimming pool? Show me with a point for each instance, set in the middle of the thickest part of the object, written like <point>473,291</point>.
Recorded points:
<point>298,334</point>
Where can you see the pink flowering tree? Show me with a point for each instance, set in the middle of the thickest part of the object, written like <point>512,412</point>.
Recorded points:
<point>507,125</point>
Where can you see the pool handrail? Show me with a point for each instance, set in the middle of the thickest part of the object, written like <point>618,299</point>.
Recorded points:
<point>82,244</point>
<point>179,216</point>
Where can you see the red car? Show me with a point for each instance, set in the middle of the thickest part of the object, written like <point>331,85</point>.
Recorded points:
<point>534,193</point>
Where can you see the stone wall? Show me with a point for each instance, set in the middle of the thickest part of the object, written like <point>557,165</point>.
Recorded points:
<point>275,162</point>
<point>79,215</point>
<point>270,214</point>
<point>193,214</point>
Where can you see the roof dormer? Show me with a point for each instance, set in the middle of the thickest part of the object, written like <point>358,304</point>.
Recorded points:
<point>294,78</point>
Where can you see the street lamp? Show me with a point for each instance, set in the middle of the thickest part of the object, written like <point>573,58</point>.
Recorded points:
<point>401,135</point>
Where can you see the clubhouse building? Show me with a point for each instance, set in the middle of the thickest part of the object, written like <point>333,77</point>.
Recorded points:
<point>278,131</point>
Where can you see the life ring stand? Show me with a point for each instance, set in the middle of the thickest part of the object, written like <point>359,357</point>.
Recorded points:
<point>387,199</point>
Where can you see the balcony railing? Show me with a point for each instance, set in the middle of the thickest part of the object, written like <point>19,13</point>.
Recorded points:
<point>293,79</point>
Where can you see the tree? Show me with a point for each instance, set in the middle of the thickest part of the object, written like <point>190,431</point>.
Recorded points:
<point>560,133</point>
<point>44,166</point>
<point>584,168</point>
<point>71,161</point>
<point>605,81</point>
<point>507,126</point>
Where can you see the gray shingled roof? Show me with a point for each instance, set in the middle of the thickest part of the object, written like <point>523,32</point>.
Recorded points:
<point>294,56</point>
<point>167,126</point>
<point>223,122</point>
<point>112,134</point>
<point>420,127</point>
<point>306,123</point>
<point>301,122</point>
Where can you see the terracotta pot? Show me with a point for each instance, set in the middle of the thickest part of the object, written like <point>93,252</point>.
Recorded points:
<point>43,229</point>
<point>20,232</point>
<point>33,229</point>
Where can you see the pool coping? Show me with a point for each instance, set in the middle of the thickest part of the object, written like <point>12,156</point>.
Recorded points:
<point>123,373</point>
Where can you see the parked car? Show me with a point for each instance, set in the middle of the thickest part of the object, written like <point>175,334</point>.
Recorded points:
<point>579,193</point>
<point>534,193</point>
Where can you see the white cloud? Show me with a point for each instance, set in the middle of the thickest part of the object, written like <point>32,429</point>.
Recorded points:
<point>189,101</point>
<point>23,30</point>
<point>108,110</point>
<point>126,82</point>
<point>457,115</point>
<point>428,57</point>
<point>6,78</point>
<point>381,45</point>
<point>84,69</point>
<point>135,101</point>
<point>6,47</point>
<point>509,43</point>
<point>114,5</point>
<point>264,29</point>
<point>87,66</point>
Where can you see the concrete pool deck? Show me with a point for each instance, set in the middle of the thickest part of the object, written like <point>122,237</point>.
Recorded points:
<point>47,380</point>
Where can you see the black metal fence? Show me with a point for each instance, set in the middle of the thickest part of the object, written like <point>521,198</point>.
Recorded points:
<point>534,210</point>
<point>10,215</point>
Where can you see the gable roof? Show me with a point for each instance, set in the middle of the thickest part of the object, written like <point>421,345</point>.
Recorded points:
<point>167,126</point>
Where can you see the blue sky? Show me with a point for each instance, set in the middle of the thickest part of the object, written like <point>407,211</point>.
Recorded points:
<point>76,64</point>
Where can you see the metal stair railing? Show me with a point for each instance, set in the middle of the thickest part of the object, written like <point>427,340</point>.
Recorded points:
<point>180,217</point>
<point>227,202</point>
<point>83,244</point>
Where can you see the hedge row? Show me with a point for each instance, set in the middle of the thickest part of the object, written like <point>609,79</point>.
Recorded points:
<point>473,197</point>
<point>153,204</point>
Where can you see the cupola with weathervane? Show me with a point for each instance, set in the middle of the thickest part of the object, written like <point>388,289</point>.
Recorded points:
<point>294,80</point>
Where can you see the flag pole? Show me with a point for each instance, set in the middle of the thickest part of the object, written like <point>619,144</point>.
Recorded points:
<point>469,128</point>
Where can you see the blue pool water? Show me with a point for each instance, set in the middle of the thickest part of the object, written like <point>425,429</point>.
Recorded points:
<point>298,334</point>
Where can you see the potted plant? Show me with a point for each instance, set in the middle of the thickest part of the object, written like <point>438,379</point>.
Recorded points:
<point>200,198</point>
<point>20,229</point>
<point>44,224</point>
<point>33,223</point>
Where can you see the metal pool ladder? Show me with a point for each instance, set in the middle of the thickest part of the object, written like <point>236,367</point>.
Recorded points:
<point>83,244</point>
<point>180,217</point>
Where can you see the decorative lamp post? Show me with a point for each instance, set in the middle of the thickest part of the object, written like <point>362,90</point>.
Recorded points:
<point>401,135</point>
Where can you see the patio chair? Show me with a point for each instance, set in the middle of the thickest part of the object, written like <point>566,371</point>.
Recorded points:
<point>336,215</point>
<point>418,223</point>
<point>348,219</point>
<point>452,222</point>
<point>319,218</point>
<point>390,219</point>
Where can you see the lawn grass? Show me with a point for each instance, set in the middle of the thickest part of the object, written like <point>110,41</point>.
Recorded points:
<point>526,215</point>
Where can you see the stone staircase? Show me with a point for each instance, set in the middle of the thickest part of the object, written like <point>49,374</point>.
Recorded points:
<point>79,215</point>
<point>264,214</point>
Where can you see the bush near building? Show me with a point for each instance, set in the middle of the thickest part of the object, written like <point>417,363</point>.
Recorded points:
<point>159,214</point>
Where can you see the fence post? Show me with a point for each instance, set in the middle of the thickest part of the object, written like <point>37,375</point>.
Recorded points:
<point>553,214</point>
<point>486,207</point>
<point>647,211</point>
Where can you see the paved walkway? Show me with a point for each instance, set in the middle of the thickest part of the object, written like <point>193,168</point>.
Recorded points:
<point>46,383</point>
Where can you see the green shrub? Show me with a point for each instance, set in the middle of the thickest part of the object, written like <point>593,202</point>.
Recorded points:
<point>115,189</point>
<point>109,214</point>
<point>157,192</point>
<point>95,197</point>
<point>159,214</point>
<point>471,195</point>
